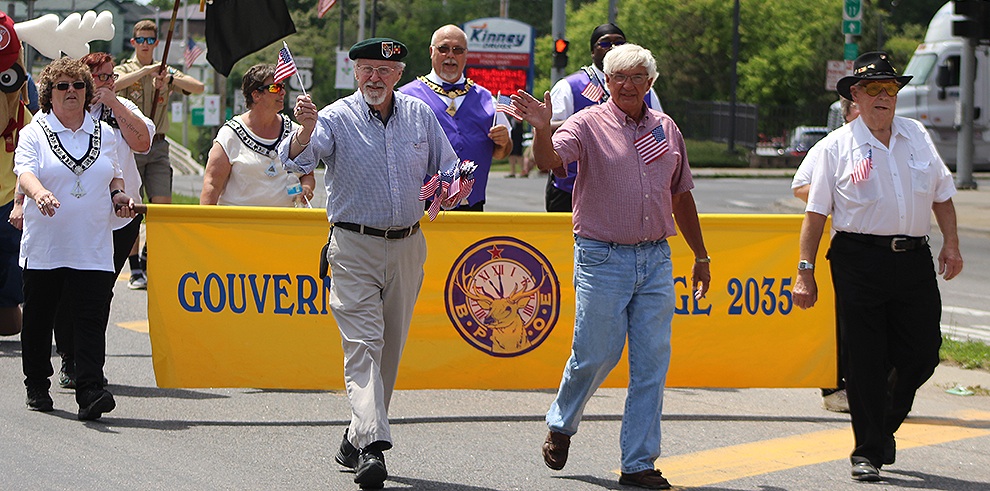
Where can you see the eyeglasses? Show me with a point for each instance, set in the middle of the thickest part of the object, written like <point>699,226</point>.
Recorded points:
<point>609,44</point>
<point>64,86</point>
<point>620,78</point>
<point>444,49</point>
<point>382,71</point>
<point>145,40</point>
<point>105,77</point>
<point>273,88</point>
<point>874,88</point>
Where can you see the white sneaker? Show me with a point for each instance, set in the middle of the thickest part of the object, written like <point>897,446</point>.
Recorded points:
<point>837,402</point>
<point>138,281</point>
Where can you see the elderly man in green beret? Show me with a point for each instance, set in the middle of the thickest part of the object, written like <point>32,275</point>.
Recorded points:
<point>378,146</point>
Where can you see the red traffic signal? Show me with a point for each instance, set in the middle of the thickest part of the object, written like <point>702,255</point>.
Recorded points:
<point>560,46</point>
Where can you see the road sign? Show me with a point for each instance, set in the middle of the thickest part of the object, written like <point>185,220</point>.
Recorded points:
<point>852,10</point>
<point>836,69</point>
<point>851,52</point>
<point>853,27</point>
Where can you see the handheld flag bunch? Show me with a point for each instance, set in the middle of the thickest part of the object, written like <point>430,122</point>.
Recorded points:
<point>448,187</point>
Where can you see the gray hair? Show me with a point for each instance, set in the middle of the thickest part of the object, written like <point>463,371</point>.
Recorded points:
<point>629,56</point>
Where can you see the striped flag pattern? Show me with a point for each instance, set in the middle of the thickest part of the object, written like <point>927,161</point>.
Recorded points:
<point>503,104</point>
<point>324,7</point>
<point>593,91</point>
<point>861,171</point>
<point>652,145</point>
<point>286,66</point>
<point>193,51</point>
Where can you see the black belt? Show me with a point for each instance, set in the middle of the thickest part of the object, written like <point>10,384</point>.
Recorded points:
<point>390,234</point>
<point>896,243</point>
<point>158,137</point>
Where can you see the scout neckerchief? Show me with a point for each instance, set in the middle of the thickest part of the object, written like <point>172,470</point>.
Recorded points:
<point>452,94</point>
<point>270,151</point>
<point>595,81</point>
<point>77,166</point>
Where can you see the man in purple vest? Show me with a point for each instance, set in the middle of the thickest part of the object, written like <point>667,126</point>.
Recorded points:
<point>581,89</point>
<point>466,110</point>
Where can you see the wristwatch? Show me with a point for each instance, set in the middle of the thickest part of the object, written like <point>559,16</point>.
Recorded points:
<point>805,265</point>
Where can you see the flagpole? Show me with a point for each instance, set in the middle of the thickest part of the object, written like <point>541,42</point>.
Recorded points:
<point>161,67</point>
<point>185,97</point>
<point>301,84</point>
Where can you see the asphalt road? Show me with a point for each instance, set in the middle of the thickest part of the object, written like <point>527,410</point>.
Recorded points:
<point>725,439</point>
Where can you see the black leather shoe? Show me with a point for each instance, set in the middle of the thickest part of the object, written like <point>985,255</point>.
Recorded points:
<point>100,401</point>
<point>889,451</point>
<point>371,472</point>
<point>555,450</point>
<point>347,455</point>
<point>649,479</point>
<point>38,399</point>
<point>864,471</point>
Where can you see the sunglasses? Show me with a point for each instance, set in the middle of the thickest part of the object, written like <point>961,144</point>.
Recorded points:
<point>874,88</point>
<point>273,88</point>
<point>609,44</point>
<point>145,40</point>
<point>458,50</point>
<point>105,77</point>
<point>64,86</point>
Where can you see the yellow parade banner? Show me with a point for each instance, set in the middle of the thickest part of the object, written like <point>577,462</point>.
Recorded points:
<point>235,300</point>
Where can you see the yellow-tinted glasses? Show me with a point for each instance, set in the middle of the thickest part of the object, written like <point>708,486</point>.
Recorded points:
<point>273,88</point>
<point>873,88</point>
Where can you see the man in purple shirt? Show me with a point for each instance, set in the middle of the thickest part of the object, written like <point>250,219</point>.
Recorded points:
<point>633,186</point>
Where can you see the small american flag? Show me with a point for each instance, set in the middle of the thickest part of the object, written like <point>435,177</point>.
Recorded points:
<point>193,51</point>
<point>652,145</point>
<point>503,104</point>
<point>861,171</point>
<point>286,66</point>
<point>593,91</point>
<point>323,7</point>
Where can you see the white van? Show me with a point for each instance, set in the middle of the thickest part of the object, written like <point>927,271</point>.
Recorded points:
<point>932,95</point>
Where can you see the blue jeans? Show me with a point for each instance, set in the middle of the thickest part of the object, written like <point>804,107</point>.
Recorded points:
<point>620,291</point>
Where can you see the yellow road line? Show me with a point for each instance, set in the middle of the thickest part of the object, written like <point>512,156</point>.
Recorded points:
<point>751,459</point>
<point>137,326</point>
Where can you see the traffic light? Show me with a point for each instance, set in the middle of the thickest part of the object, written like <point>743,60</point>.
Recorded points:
<point>976,24</point>
<point>560,53</point>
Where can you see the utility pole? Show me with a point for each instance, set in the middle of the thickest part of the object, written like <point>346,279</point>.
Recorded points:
<point>964,143</point>
<point>613,10</point>
<point>559,31</point>
<point>735,77</point>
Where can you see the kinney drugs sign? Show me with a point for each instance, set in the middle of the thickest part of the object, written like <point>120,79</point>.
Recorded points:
<point>500,54</point>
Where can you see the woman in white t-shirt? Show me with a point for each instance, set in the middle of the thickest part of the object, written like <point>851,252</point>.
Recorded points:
<point>66,163</point>
<point>243,168</point>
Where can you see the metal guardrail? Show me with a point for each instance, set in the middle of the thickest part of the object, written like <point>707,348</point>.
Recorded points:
<point>182,160</point>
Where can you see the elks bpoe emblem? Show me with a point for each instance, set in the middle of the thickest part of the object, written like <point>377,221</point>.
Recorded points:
<point>387,49</point>
<point>503,296</point>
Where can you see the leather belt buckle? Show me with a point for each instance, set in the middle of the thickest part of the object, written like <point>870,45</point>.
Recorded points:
<point>396,233</point>
<point>900,244</point>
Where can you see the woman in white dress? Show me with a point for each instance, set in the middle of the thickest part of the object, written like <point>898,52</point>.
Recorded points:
<point>243,168</point>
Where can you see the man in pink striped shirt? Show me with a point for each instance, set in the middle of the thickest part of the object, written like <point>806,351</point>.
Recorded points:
<point>633,191</point>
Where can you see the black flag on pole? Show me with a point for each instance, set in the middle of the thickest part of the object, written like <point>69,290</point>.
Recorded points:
<point>237,28</point>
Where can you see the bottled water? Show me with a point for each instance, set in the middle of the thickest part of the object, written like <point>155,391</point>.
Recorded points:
<point>295,192</point>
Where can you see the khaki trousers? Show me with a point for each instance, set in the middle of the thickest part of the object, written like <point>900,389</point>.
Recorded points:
<point>373,289</point>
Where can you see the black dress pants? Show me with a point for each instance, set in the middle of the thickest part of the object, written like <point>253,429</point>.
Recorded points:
<point>85,294</point>
<point>556,199</point>
<point>890,309</point>
<point>123,241</point>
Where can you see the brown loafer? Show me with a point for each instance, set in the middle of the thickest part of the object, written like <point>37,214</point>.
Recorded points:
<point>649,479</point>
<point>555,450</point>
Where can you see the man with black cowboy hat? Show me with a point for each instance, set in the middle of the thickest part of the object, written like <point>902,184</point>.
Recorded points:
<point>880,178</point>
<point>378,146</point>
<point>584,88</point>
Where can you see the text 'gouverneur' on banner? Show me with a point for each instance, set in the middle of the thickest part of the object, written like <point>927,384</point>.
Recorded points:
<point>235,301</point>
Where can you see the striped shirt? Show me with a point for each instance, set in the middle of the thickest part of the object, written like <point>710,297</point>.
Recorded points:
<point>374,172</point>
<point>617,197</point>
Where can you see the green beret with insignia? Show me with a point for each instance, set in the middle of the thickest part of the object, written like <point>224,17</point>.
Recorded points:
<point>378,49</point>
